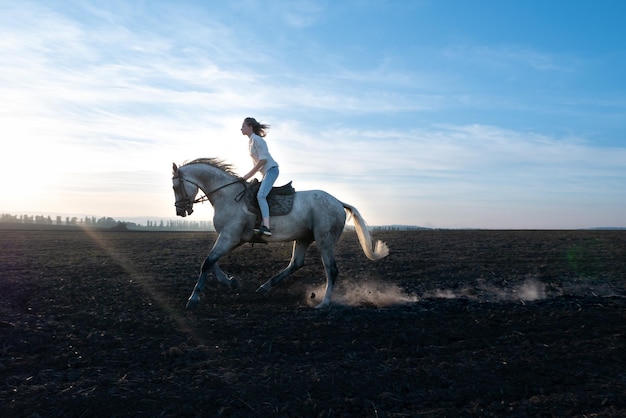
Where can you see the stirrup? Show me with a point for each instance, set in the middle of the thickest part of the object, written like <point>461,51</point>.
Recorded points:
<point>263,230</point>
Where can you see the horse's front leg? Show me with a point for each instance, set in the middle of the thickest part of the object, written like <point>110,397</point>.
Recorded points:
<point>195,295</point>
<point>221,247</point>
<point>223,278</point>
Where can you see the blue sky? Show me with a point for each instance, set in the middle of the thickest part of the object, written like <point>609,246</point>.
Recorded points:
<point>448,114</point>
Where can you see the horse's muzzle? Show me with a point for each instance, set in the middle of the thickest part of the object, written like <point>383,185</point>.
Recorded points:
<point>184,210</point>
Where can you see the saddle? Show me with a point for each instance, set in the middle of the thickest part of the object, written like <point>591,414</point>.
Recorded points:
<point>280,199</point>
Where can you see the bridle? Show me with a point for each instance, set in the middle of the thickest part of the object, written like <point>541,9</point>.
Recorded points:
<point>187,202</point>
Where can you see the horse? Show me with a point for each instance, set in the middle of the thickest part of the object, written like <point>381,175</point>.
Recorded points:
<point>316,216</point>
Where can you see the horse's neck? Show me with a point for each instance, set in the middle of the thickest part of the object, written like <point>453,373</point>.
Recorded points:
<point>210,178</point>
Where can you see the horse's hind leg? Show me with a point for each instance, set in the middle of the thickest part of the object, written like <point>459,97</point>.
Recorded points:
<point>326,242</point>
<point>297,261</point>
<point>330,266</point>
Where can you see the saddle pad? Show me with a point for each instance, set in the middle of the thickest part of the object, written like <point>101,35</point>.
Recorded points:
<point>280,199</point>
<point>280,204</point>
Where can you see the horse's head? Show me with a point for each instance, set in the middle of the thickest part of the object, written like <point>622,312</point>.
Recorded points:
<point>184,192</point>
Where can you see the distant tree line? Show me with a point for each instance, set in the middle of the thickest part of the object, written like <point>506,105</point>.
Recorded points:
<point>399,228</point>
<point>179,225</point>
<point>150,225</point>
<point>105,223</point>
<point>391,228</point>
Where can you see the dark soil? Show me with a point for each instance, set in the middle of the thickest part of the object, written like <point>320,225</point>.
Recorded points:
<point>452,323</point>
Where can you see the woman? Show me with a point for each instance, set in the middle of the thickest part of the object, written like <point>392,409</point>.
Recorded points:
<point>264,163</point>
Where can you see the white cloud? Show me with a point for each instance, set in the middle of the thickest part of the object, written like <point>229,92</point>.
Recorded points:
<point>479,165</point>
<point>511,56</point>
<point>301,13</point>
<point>103,105</point>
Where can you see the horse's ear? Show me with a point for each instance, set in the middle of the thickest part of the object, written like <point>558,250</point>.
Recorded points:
<point>174,168</point>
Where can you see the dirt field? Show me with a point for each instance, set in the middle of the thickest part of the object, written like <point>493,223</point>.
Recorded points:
<point>452,323</point>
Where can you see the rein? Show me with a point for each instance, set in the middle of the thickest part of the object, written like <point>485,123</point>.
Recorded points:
<point>206,196</point>
<point>187,200</point>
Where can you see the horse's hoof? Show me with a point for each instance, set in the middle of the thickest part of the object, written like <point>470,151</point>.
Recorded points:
<point>322,305</point>
<point>263,289</point>
<point>234,283</point>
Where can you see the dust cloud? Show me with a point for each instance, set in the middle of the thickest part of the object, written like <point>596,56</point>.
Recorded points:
<point>530,290</point>
<point>364,293</point>
<point>378,294</point>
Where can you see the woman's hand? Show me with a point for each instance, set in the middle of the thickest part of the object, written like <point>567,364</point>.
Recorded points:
<point>255,169</point>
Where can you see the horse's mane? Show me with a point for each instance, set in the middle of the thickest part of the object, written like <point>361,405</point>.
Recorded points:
<point>214,162</point>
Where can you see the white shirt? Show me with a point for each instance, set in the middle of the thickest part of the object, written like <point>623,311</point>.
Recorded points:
<point>259,151</point>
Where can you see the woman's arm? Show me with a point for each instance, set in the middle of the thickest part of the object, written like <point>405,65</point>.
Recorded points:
<point>255,169</point>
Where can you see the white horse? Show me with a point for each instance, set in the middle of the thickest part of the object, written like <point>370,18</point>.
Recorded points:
<point>315,216</point>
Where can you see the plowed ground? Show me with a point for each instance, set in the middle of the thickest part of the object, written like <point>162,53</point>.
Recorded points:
<point>452,323</point>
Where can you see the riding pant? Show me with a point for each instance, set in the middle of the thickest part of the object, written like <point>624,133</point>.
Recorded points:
<point>266,187</point>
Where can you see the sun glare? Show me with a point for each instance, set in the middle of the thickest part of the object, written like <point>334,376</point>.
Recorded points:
<point>31,171</point>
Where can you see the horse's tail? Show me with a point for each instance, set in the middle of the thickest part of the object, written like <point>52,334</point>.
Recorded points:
<point>374,250</point>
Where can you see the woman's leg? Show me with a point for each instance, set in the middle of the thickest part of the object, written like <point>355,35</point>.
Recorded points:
<point>266,187</point>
